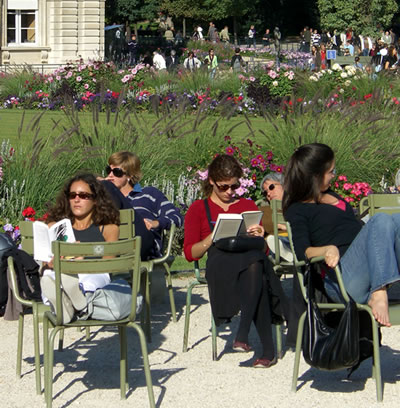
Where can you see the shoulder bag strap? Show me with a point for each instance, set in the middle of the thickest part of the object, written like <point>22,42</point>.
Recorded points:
<point>208,212</point>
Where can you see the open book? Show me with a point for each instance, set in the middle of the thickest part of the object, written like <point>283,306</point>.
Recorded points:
<point>43,236</point>
<point>230,225</point>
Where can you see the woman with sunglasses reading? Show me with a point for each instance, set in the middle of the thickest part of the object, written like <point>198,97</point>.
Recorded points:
<point>236,281</point>
<point>94,218</point>
<point>158,212</point>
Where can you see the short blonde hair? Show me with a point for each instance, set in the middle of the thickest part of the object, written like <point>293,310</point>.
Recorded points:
<point>130,164</point>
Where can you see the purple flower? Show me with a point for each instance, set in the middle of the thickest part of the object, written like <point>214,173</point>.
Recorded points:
<point>8,228</point>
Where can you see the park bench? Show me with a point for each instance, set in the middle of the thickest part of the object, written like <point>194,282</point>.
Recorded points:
<point>349,60</point>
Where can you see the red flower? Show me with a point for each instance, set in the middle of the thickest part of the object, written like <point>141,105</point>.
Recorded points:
<point>28,212</point>
<point>367,96</point>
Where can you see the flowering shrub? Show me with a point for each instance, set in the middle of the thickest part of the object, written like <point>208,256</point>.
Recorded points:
<point>280,82</point>
<point>352,193</point>
<point>255,161</point>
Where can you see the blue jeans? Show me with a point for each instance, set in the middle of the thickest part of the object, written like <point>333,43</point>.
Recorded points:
<point>372,260</point>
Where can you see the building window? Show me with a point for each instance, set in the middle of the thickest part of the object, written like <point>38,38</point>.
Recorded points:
<point>21,27</point>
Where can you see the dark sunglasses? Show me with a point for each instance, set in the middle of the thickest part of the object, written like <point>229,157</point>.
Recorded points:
<point>116,171</point>
<point>82,195</point>
<point>226,187</point>
<point>270,188</point>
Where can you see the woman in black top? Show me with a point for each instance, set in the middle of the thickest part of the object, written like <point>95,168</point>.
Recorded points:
<point>324,225</point>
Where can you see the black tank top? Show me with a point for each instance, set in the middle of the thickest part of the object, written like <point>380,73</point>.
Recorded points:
<point>91,234</point>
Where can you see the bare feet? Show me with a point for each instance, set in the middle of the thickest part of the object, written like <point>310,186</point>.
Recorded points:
<point>380,306</point>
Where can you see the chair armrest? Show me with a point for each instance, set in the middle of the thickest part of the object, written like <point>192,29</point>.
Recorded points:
<point>169,246</point>
<point>14,283</point>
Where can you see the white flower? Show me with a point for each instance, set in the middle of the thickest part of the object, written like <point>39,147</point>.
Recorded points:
<point>337,67</point>
<point>275,83</point>
<point>313,78</point>
<point>341,90</point>
<point>343,75</point>
<point>329,71</point>
<point>347,82</point>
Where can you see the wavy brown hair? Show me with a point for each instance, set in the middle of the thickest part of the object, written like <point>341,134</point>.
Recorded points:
<point>223,167</point>
<point>104,211</point>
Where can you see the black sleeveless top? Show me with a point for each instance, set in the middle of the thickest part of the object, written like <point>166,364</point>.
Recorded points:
<point>91,234</point>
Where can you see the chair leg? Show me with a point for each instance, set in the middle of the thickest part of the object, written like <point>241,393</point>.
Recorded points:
<point>49,368</point>
<point>213,338</point>
<point>376,360</point>
<point>87,337</point>
<point>187,314</point>
<point>300,330</point>
<point>123,360</point>
<point>278,331</point>
<point>148,306</point>
<point>146,364</point>
<point>170,292</point>
<point>61,340</point>
<point>20,344</point>
<point>36,341</point>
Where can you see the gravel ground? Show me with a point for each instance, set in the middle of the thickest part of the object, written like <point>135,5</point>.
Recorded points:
<point>86,374</point>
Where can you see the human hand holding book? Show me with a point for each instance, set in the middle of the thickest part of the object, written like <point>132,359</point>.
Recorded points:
<point>229,225</point>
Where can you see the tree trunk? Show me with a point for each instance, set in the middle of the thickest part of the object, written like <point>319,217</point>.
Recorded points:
<point>127,31</point>
<point>136,32</point>
<point>184,27</point>
<point>235,31</point>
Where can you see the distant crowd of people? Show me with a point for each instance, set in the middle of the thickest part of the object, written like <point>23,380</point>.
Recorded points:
<point>383,50</point>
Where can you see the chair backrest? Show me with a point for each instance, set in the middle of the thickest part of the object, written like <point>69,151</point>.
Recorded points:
<point>26,230</point>
<point>94,257</point>
<point>382,203</point>
<point>277,218</point>
<point>126,227</point>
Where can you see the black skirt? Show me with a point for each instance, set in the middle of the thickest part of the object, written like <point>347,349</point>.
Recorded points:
<point>222,274</point>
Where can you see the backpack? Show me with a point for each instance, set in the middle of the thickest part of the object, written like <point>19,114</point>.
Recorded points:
<point>237,63</point>
<point>27,272</point>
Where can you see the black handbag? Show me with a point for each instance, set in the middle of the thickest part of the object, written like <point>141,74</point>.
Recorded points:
<point>325,347</point>
<point>239,243</point>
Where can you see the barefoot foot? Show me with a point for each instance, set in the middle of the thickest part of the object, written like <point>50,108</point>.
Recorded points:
<point>379,304</point>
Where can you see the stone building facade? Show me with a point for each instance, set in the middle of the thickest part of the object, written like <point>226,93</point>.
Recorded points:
<point>51,31</point>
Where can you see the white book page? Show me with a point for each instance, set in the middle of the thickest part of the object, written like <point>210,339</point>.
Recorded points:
<point>227,225</point>
<point>250,218</point>
<point>62,231</point>
<point>41,242</point>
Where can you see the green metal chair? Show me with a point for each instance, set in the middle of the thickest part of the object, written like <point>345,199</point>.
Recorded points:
<point>118,257</point>
<point>394,312</point>
<point>38,308</point>
<point>200,280</point>
<point>166,261</point>
<point>380,203</point>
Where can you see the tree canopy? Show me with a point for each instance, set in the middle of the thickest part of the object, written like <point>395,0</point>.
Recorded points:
<point>363,16</point>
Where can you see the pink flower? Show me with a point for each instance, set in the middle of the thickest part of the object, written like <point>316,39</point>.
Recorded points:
<point>202,174</point>
<point>272,74</point>
<point>86,86</point>
<point>347,186</point>
<point>254,162</point>
<point>342,178</point>
<point>78,78</point>
<point>229,150</point>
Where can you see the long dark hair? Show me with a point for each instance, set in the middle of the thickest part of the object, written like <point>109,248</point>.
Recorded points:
<point>223,167</point>
<point>305,172</point>
<point>104,211</point>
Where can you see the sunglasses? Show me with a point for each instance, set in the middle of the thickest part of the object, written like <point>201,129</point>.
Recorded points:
<point>116,171</point>
<point>226,187</point>
<point>82,195</point>
<point>270,188</point>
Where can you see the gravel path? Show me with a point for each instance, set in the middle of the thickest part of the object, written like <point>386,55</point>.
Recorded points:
<point>86,374</point>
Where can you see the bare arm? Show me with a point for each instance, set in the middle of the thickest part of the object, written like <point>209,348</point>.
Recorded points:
<point>329,252</point>
<point>111,232</point>
<point>201,247</point>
